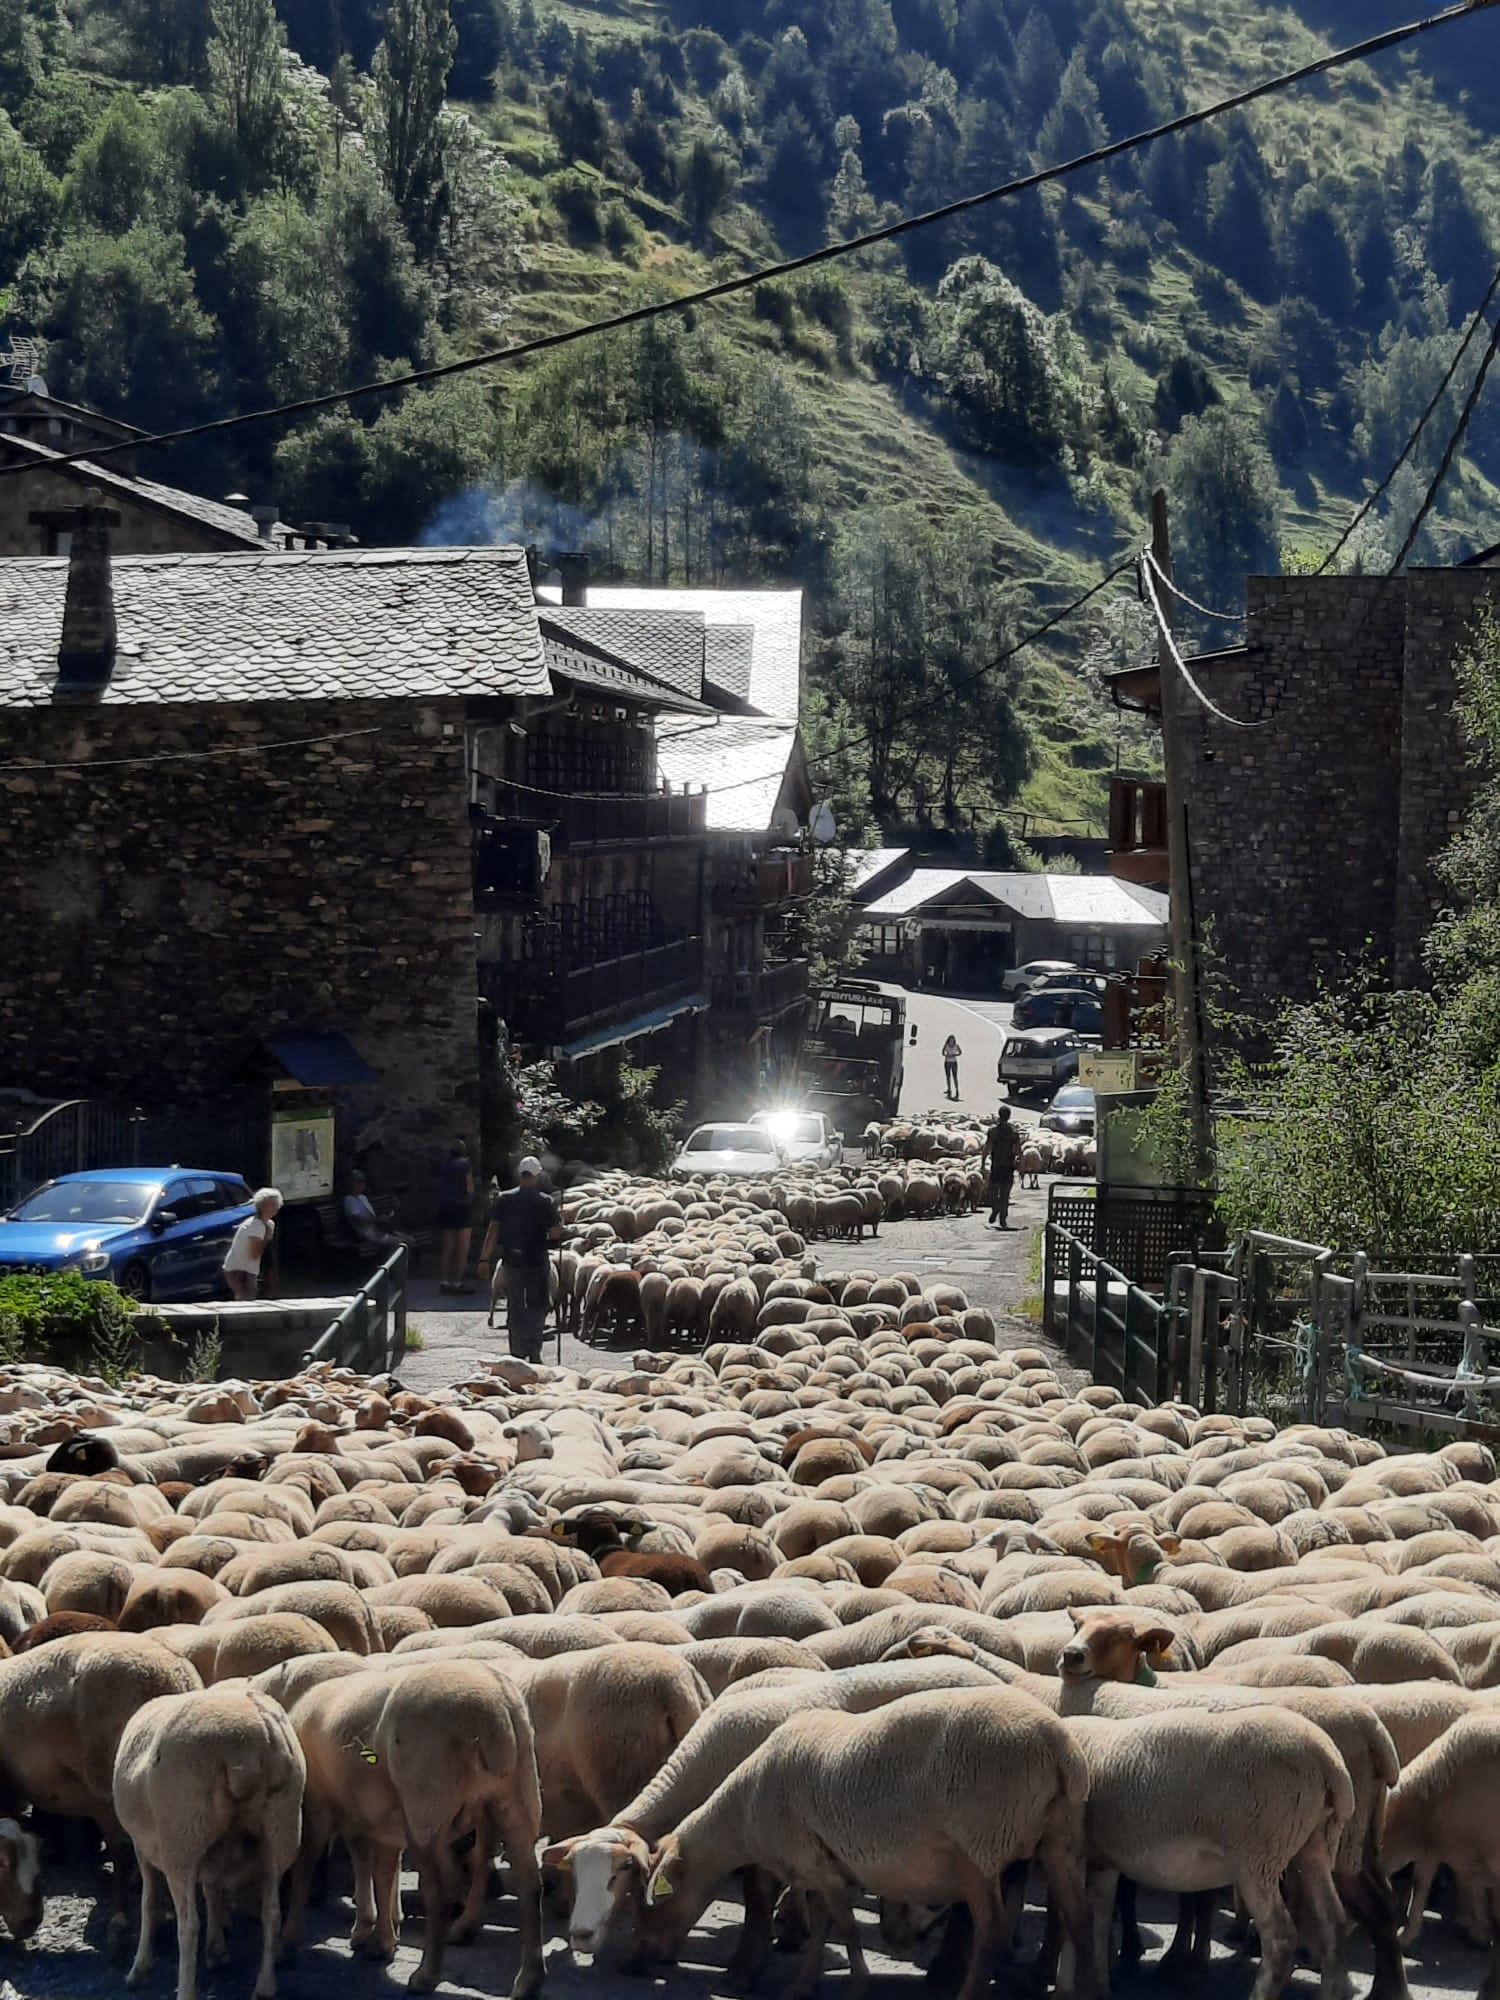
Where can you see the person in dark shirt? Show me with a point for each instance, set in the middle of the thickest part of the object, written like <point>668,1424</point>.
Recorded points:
<point>524,1223</point>
<point>455,1205</point>
<point>1000,1158</point>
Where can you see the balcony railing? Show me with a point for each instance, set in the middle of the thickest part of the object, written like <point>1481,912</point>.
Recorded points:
<point>542,1001</point>
<point>1138,829</point>
<point>762,995</point>
<point>765,882</point>
<point>586,819</point>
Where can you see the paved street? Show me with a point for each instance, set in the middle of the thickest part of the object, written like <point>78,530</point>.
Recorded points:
<point>980,1026</point>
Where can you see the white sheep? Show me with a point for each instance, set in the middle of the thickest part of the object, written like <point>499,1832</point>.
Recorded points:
<point>209,1787</point>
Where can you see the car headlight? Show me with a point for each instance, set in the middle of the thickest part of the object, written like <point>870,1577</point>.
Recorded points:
<point>93,1261</point>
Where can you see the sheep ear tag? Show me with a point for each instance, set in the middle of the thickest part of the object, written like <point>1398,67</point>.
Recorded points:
<point>658,1888</point>
<point>1144,1677</point>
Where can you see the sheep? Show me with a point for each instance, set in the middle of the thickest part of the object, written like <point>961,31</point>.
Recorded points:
<point>609,1866</point>
<point>965,1783</point>
<point>63,1709</point>
<point>1184,1802</point>
<point>1443,1813</point>
<point>21,1902</point>
<point>209,1788</point>
<point>442,1749</point>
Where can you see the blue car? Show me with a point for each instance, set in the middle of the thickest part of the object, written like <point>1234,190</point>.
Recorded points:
<point>156,1232</point>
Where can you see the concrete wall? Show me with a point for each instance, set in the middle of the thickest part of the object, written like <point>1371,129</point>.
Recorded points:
<point>163,919</point>
<point>1311,834</point>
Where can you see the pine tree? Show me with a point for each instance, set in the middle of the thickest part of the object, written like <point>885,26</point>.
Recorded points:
<point>245,64</point>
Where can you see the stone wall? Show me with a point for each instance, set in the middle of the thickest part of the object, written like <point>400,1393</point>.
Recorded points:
<point>1311,833</point>
<point>162,919</point>
<point>142,531</point>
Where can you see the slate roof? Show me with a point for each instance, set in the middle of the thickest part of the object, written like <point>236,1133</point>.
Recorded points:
<point>774,616</point>
<point>742,762</point>
<point>729,660</point>
<point>337,624</point>
<point>667,648</point>
<point>237,527</point>
<point>1084,901</point>
<point>591,667</point>
<point>866,863</point>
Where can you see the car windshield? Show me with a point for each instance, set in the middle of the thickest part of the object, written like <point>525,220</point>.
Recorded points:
<point>1074,1097</point>
<point>727,1139</point>
<point>794,1129</point>
<point>68,1203</point>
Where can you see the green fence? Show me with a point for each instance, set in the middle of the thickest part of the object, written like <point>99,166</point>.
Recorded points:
<point>369,1334</point>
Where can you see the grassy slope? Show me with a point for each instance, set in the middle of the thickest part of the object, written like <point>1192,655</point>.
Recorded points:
<point>874,447</point>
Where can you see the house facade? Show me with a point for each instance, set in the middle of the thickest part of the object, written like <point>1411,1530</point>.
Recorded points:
<point>948,928</point>
<point>1313,830</point>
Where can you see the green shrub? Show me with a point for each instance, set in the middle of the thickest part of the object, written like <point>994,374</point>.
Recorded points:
<point>64,1317</point>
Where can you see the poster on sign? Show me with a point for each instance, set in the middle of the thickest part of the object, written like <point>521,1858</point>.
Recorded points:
<point>302,1153</point>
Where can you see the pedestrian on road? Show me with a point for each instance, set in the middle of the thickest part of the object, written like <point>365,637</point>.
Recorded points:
<point>1000,1156</point>
<point>248,1247</point>
<point>524,1223</point>
<point>455,1218</point>
<point>951,1054</point>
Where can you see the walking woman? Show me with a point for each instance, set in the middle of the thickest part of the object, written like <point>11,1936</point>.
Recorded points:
<point>951,1054</point>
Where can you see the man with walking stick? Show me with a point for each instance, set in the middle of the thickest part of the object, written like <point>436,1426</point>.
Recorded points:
<point>524,1224</point>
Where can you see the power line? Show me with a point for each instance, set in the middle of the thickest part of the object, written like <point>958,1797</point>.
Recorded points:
<point>990,666</point>
<point>1149,574</point>
<point>194,756</point>
<point>1450,451</point>
<point>1477,320</point>
<point>1203,610</point>
<point>889,232</point>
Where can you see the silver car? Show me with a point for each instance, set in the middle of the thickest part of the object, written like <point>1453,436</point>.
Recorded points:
<point>734,1152</point>
<point>806,1138</point>
<point>1021,979</point>
<point>1037,1060</point>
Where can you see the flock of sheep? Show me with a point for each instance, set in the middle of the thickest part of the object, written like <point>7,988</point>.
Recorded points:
<point>665,1263</point>
<point>854,1605</point>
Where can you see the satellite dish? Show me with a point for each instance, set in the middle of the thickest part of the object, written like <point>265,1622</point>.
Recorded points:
<point>822,825</point>
<point>784,823</point>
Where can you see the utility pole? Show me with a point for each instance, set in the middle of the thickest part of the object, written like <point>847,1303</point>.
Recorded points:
<point>1187,989</point>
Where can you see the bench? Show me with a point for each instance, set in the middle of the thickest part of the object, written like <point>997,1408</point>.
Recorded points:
<point>338,1241</point>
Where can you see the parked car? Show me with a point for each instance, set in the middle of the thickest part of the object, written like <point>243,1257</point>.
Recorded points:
<point>1078,980</point>
<point>1060,1007</point>
<point>806,1138</point>
<point>156,1232</point>
<point>1071,1112</point>
<point>1021,978</point>
<point>738,1152</point>
<point>1036,1060</point>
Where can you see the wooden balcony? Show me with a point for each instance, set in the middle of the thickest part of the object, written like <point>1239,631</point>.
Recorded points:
<point>765,882</point>
<point>1138,830</point>
<point>764,995</point>
<point>547,1001</point>
<point>597,819</point>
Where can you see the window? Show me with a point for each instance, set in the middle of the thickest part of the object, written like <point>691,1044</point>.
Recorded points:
<point>187,1199</point>
<point>59,541</point>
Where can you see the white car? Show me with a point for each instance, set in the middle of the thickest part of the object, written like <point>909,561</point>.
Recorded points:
<point>1022,978</point>
<point>806,1138</point>
<point>735,1152</point>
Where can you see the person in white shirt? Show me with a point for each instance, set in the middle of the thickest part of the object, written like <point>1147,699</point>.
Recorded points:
<point>247,1251</point>
<point>364,1223</point>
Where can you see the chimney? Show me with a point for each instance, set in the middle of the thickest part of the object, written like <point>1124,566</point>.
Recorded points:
<point>533,567</point>
<point>574,571</point>
<point>265,514</point>
<point>86,654</point>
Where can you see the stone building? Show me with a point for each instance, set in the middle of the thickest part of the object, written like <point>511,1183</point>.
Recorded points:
<point>236,798</point>
<point>360,803</point>
<point>1312,833</point>
<point>38,431</point>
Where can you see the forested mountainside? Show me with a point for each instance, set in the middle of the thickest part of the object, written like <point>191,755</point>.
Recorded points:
<point>209,205</point>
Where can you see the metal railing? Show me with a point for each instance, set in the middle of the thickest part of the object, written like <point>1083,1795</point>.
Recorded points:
<point>369,1335</point>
